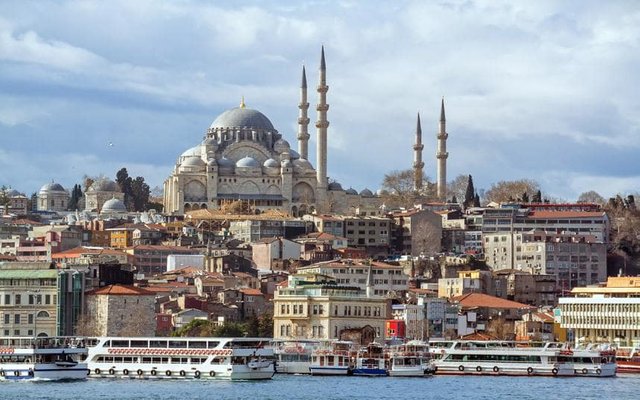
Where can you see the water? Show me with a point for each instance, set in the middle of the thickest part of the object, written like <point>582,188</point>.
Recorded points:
<point>329,388</point>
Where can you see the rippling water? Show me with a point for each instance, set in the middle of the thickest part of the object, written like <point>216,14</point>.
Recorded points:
<point>326,388</point>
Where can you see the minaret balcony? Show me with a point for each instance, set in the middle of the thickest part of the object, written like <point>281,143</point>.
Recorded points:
<point>303,121</point>
<point>323,88</point>
<point>322,107</point>
<point>322,124</point>
<point>418,147</point>
<point>444,155</point>
<point>303,106</point>
<point>418,164</point>
<point>443,136</point>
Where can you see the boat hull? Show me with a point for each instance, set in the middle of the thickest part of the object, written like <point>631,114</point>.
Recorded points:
<point>369,372</point>
<point>49,372</point>
<point>330,371</point>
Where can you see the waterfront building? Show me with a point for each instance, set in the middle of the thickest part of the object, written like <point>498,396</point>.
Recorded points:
<point>314,306</point>
<point>120,310</point>
<point>605,313</point>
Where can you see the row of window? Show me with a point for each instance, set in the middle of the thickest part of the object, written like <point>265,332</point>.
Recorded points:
<point>30,299</point>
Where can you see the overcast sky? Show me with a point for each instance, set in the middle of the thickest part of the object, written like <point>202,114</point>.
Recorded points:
<point>545,90</point>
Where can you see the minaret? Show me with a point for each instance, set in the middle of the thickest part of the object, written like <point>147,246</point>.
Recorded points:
<point>442,156</point>
<point>303,119</point>
<point>321,126</point>
<point>417,158</point>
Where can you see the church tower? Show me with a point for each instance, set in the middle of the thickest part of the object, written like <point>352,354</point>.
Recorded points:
<point>442,156</point>
<point>303,119</point>
<point>321,126</point>
<point>418,165</point>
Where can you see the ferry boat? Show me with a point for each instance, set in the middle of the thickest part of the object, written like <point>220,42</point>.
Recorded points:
<point>293,356</point>
<point>588,361</point>
<point>42,358</point>
<point>332,358</point>
<point>500,358</point>
<point>628,359</point>
<point>370,361</point>
<point>202,357</point>
<point>410,359</point>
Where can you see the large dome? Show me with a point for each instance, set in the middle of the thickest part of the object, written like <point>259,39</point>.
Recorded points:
<point>51,187</point>
<point>113,206</point>
<point>243,117</point>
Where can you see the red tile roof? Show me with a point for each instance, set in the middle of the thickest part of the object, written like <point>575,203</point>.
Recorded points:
<point>250,292</point>
<point>473,300</point>
<point>120,290</point>
<point>565,214</point>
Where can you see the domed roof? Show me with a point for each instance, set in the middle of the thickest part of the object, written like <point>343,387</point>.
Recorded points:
<point>366,193</point>
<point>210,142</point>
<point>104,185</point>
<point>224,162</point>
<point>193,162</point>
<point>334,186</point>
<point>51,187</point>
<point>281,145</point>
<point>113,205</point>
<point>294,154</point>
<point>242,117</point>
<point>247,162</point>
<point>302,164</point>
<point>194,151</point>
<point>351,191</point>
<point>271,163</point>
<point>14,193</point>
<point>382,192</point>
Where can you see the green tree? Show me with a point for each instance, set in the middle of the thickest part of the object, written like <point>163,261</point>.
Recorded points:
<point>125,182</point>
<point>230,329</point>
<point>140,193</point>
<point>5,200</point>
<point>525,197</point>
<point>252,326</point>
<point>476,200</point>
<point>469,194</point>
<point>266,326</point>
<point>76,195</point>
<point>537,198</point>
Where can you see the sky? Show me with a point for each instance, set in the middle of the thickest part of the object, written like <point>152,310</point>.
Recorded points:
<point>544,90</point>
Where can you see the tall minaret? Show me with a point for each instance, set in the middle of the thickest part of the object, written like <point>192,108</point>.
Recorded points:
<point>417,158</point>
<point>303,119</point>
<point>321,126</point>
<point>442,155</point>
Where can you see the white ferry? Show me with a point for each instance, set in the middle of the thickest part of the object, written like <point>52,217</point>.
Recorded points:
<point>154,357</point>
<point>500,358</point>
<point>42,358</point>
<point>370,361</point>
<point>332,358</point>
<point>588,361</point>
<point>410,359</point>
<point>293,356</point>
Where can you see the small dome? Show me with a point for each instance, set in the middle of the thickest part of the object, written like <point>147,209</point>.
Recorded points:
<point>225,165</point>
<point>335,186</point>
<point>210,142</point>
<point>294,154</point>
<point>382,192</point>
<point>52,187</point>
<point>351,191</point>
<point>247,162</point>
<point>194,151</point>
<point>193,162</point>
<point>14,193</point>
<point>366,193</point>
<point>113,206</point>
<point>240,117</point>
<point>271,163</point>
<point>104,185</point>
<point>302,164</point>
<point>281,145</point>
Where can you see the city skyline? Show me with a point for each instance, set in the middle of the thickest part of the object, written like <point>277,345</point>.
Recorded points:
<point>542,91</point>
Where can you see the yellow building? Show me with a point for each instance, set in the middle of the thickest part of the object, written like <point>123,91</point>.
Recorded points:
<point>315,306</point>
<point>121,237</point>
<point>608,313</point>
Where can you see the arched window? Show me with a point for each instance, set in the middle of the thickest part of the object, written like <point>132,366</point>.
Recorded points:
<point>43,314</point>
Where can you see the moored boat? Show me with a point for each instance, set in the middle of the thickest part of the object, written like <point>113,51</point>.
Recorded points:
<point>370,361</point>
<point>332,358</point>
<point>293,356</point>
<point>410,359</point>
<point>153,357</point>
<point>42,358</point>
<point>628,359</point>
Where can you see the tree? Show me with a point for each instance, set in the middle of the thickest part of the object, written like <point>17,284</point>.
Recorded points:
<point>76,195</point>
<point>476,200</point>
<point>510,190</point>
<point>265,328</point>
<point>87,181</point>
<point>470,192</point>
<point>525,197</point>
<point>591,197</point>
<point>125,182</point>
<point>457,187</point>
<point>140,192</point>
<point>5,200</point>
<point>399,191</point>
<point>537,198</point>
<point>87,325</point>
<point>252,326</point>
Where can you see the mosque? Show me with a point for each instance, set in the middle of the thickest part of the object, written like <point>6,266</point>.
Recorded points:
<point>243,157</point>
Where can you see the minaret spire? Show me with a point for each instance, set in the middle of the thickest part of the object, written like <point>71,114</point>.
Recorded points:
<point>442,155</point>
<point>417,158</point>
<point>321,128</point>
<point>303,119</point>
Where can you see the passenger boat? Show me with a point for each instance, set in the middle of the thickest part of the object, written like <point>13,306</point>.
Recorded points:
<point>370,361</point>
<point>42,358</point>
<point>588,361</point>
<point>331,358</point>
<point>410,359</point>
<point>202,357</point>
<point>628,359</point>
<point>293,356</point>
<point>500,358</point>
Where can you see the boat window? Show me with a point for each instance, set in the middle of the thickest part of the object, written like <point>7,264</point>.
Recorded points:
<point>119,343</point>
<point>197,344</point>
<point>217,360</point>
<point>197,360</point>
<point>146,360</point>
<point>158,344</point>
<point>177,344</point>
<point>213,345</point>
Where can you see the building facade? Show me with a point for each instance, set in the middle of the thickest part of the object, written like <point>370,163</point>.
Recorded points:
<point>121,310</point>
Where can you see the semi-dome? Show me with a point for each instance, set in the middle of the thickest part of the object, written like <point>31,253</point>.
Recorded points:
<point>247,162</point>
<point>243,117</point>
<point>271,163</point>
<point>193,162</point>
<point>194,151</point>
<point>335,186</point>
<point>281,146</point>
<point>104,185</point>
<point>294,154</point>
<point>302,164</point>
<point>351,191</point>
<point>225,166</point>
<point>210,142</point>
<point>366,193</point>
<point>113,206</point>
<point>52,187</point>
<point>382,192</point>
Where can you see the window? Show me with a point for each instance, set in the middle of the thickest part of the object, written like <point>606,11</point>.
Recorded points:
<point>7,299</point>
<point>18,299</point>
<point>7,321</point>
<point>16,319</point>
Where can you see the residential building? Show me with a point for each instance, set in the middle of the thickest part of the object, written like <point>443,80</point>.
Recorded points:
<point>324,223</point>
<point>416,233</point>
<point>523,287</point>
<point>265,251</point>
<point>151,259</point>
<point>372,234</point>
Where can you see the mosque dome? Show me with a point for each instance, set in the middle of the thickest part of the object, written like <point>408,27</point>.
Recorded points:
<point>366,193</point>
<point>225,166</point>
<point>51,187</point>
<point>302,165</point>
<point>113,206</point>
<point>281,146</point>
<point>15,193</point>
<point>351,191</point>
<point>335,186</point>
<point>382,192</point>
<point>271,167</point>
<point>247,162</point>
<point>294,154</point>
<point>240,117</point>
<point>193,162</point>
<point>104,185</point>
<point>194,151</point>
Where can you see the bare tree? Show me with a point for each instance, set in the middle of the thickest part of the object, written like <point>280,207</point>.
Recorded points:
<point>87,325</point>
<point>457,188</point>
<point>511,190</point>
<point>398,189</point>
<point>591,197</point>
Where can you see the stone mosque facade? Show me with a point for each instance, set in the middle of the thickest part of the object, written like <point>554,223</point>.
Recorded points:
<point>243,157</point>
